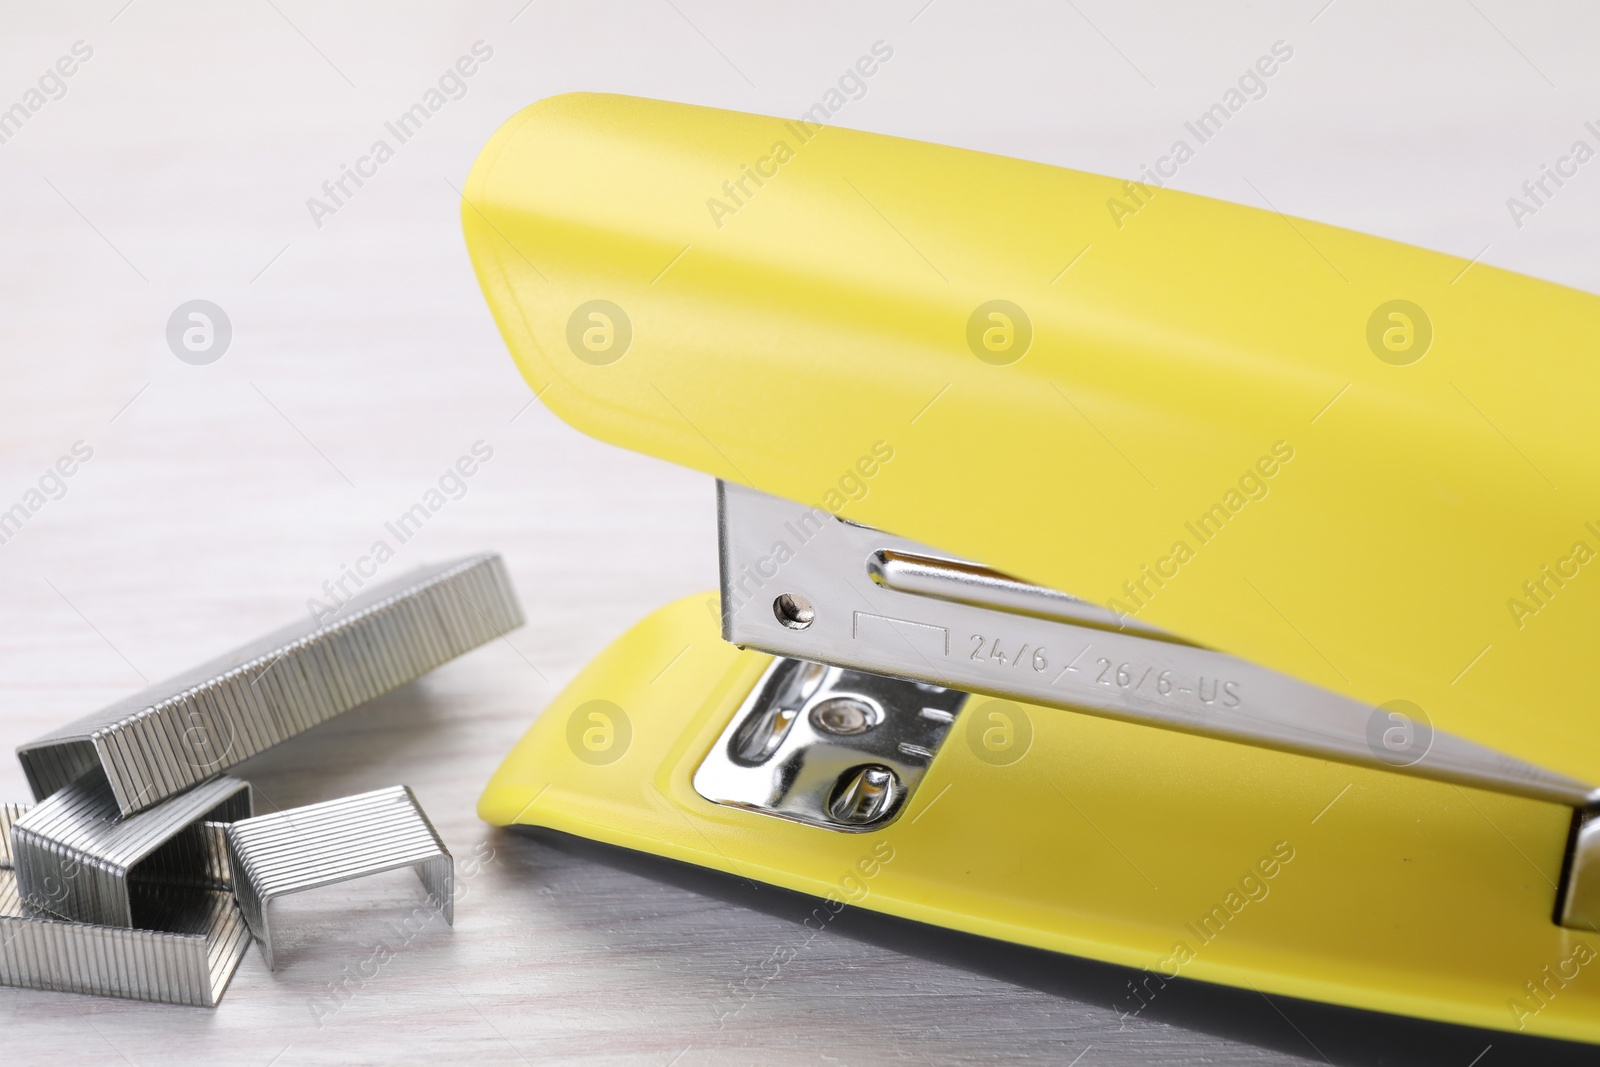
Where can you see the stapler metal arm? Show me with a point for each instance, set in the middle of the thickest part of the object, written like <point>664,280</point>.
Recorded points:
<point>855,597</point>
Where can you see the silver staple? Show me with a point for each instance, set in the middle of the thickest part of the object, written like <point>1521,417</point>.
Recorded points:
<point>179,733</point>
<point>298,849</point>
<point>76,859</point>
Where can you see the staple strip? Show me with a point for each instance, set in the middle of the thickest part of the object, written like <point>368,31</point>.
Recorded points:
<point>189,960</point>
<point>320,844</point>
<point>77,860</point>
<point>172,736</point>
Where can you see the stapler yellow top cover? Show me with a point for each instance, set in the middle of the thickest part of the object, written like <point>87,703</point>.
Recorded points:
<point>1104,568</point>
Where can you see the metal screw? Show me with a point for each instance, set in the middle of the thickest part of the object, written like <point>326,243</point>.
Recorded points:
<point>844,715</point>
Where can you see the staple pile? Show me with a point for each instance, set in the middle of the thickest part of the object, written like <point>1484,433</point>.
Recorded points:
<point>126,877</point>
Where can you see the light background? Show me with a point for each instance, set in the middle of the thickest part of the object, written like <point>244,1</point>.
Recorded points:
<point>363,363</point>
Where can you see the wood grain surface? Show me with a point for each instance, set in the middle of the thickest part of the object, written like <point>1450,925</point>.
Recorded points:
<point>176,163</point>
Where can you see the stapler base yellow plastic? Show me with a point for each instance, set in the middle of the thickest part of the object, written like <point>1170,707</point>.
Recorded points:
<point>1176,854</point>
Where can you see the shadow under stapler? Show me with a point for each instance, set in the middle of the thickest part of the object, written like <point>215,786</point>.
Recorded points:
<point>1301,1028</point>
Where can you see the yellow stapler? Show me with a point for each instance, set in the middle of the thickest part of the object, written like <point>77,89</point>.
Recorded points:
<point>1192,587</point>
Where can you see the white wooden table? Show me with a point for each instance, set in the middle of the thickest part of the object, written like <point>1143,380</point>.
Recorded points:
<point>178,164</point>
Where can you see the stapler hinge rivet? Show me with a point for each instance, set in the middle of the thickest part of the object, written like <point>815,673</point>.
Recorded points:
<point>794,611</point>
